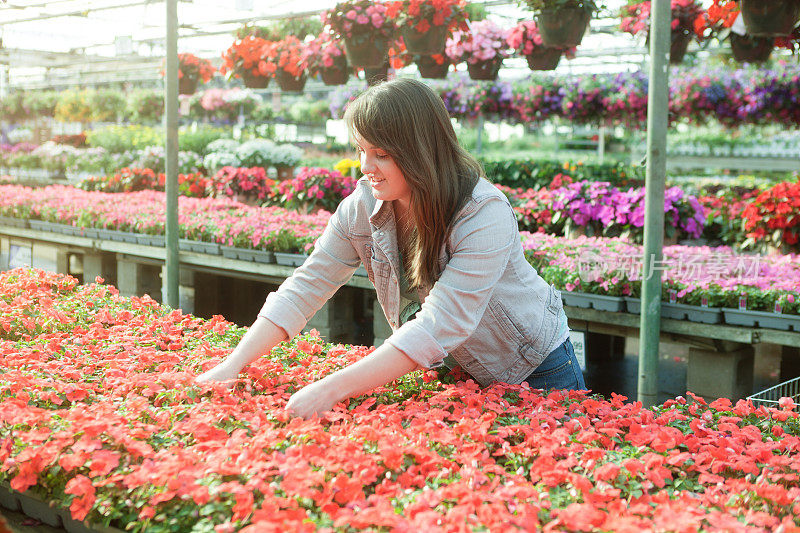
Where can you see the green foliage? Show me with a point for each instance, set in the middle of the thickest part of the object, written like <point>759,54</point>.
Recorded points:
<point>542,5</point>
<point>145,106</point>
<point>42,103</point>
<point>73,106</point>
<point>198,140</point>
<point>533,174</point>
<point>309,112</point>
<point>124,138</point>
<point>12,106</point>
<point>106,104</point>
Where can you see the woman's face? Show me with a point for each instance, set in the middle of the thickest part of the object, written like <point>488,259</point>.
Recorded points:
<point>385,177</point>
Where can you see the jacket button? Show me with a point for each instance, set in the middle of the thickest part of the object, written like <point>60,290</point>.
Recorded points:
<point>380,233</point>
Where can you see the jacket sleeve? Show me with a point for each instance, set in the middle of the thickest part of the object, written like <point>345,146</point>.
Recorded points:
<point>481,244</point>
<point>330,265</point>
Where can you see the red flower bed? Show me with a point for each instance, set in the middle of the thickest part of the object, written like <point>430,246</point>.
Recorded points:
<point>98,410</point>
<point>774,215</point>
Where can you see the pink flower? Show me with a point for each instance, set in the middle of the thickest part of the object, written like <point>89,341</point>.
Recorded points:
<point>351,14</point>
<point>362,19</point>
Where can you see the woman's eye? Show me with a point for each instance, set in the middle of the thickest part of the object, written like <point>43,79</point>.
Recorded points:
<point>382,156</point>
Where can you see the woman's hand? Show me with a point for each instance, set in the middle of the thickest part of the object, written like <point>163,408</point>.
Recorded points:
<point>315,399</point>
<point>222,373</point>
<point>382,366</point>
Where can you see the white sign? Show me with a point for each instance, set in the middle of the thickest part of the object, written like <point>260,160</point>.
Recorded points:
<point>578,340</point>
<point>19,255</point>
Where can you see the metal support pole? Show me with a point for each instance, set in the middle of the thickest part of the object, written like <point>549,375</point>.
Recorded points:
<point>171,118</point>
<point>601,145</point>
<point>657,107</point>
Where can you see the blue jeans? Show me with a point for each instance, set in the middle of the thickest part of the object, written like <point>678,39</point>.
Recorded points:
<point>559,370</point>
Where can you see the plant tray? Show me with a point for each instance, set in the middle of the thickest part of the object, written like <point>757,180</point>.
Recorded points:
<point>89,233</point>
<point>259,256</point>
<point>693,313</point>
<point>763,319</point>
<point>122,236</point>
<point>105,234</point>
<point>151,240</point>
<point>8,498</point>
<point>593,301</point>
<point>290,259</point>
<point>40,510</point>
<point>41,225</point>
<point>191,245</point>
<point>14,222</point>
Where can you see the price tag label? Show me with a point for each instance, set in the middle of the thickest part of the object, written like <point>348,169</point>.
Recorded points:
<point>578,340</point>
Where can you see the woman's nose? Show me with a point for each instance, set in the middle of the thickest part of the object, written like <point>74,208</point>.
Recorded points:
<point>367,164</point>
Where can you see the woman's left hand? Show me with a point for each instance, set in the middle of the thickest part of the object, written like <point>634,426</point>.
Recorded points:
<point>315,399</point>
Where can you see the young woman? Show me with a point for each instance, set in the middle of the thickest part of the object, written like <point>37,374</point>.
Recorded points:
<point>442,247</point>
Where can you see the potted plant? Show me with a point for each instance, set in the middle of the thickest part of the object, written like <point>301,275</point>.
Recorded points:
<point>722,21</point>
<point>290,55</point>
<point>562,23</point>
<point>247,185</point>
<point>769,18</point>
<point>365,29</point>
<point>524,38</point>
<point>636,20</point>
<point>424,24</point>
<point>192,69</point>
<point>247,58</point>
<point>434,66</point>
<point>327,58</point>
<point>284,158</point>
<point>484,47</point>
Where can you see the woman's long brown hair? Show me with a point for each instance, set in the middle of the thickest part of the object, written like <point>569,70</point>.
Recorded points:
<point>409,121</point>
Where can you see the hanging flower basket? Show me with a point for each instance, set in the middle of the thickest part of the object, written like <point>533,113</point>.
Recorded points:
<point>544,58</point>
<point>769,18</point>
<point>252,81</point>
<point>334,76</point>
<point>747,49</point>
<point>289,83</point>
<point>375,75</point>
<point>428,43</point>
<point>187,85</point>
<point>485,70</point>
<point>365,53</point>
<point>679,43</point>
<point>563,28</point>
<point>429,68</point>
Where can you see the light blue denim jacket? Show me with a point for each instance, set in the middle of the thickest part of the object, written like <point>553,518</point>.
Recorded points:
<point>489,308</point>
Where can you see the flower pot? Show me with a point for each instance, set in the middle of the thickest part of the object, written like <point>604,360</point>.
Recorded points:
<point>429,68</point>
<point>748,49</point>
<point>563,28</point>
<point>334,76</point>
<point>284,172</point>
<point>8,497</point>
<point>678,45</point>
<point>544,58</point>
<point>769,18</point>
<point>485,70</point>
<point>251,81</point>
<point>187,85</point>
<point>426,44</point>
<point>365,53</point>
<point>289,83</point>
<point>376,75</point>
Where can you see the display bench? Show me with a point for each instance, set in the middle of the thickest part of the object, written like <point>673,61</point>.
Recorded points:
<point>721,356</point>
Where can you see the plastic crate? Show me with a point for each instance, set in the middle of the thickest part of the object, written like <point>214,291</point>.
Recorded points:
<point>769,397</point>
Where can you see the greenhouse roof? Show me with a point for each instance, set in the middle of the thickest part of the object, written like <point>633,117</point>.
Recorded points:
<point>60,43</point>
